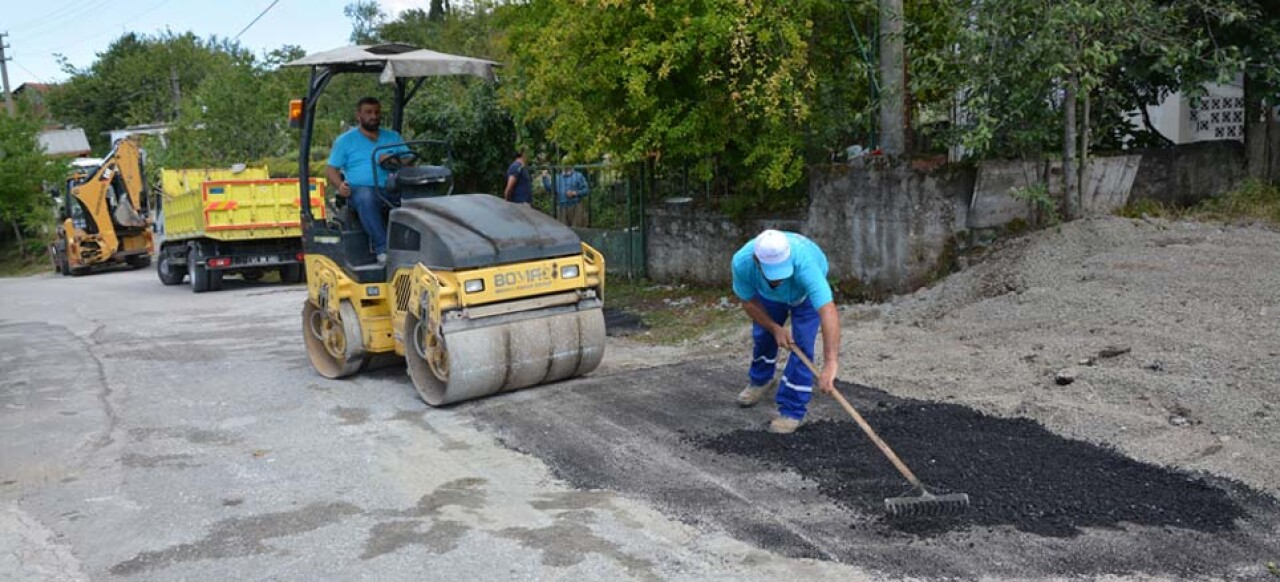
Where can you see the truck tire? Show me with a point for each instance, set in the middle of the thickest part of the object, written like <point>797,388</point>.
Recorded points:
<point>169,275</point>
<point>202,279</point>
<point>291,274</point>
<point>60,261</point>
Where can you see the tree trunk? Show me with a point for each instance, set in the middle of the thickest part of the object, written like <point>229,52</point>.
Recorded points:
<point>1083,183</point>
<point>1256,128</point>
<point>22,244</point>
<point>892,81</point>
<point>1069,147</point>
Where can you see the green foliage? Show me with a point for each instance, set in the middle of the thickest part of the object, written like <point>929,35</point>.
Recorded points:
<point>1254,200</point>
<point>365,17</point>
<point>1145,208</point>
<point>138,80</point>
<point>26,177</point>
<point>1042,204</point>
<point>703,83</point>
<point>465,113</point>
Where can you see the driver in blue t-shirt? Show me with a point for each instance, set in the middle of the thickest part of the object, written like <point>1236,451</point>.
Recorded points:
<point>353,174</point>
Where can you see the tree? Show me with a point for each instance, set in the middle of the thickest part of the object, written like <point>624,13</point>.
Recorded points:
<point>137,80</point>
<point>712,84</point>
<point>366,16</point>
<point>463,111</point>
<point>25,176</point>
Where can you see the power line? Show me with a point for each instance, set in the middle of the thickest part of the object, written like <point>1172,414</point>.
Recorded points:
<point>57,14</point>
<point>29,71</point>
<point>72,15</point>
<point>84,39</point>
<point>255,20</point>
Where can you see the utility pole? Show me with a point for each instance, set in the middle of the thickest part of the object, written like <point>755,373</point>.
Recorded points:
<point>4,74</point>
<point>893,87</point>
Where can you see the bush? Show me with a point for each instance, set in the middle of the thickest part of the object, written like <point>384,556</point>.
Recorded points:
<point>1253,200</point>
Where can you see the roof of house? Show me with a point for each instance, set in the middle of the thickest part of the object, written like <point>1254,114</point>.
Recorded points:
<point>64,141</point>
<point>38,87</point>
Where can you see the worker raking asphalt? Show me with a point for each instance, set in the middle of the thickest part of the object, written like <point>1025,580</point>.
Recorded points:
<point>1017,473</point>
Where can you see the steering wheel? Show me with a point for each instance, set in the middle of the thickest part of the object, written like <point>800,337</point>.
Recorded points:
<point>397,160</point>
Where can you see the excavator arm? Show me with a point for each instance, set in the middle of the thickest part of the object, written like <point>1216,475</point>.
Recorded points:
<point>123,166</point>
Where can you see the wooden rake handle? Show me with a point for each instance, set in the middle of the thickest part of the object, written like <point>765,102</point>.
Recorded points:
<point>862,423</point>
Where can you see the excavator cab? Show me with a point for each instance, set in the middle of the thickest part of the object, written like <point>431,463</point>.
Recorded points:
<point>477,294</point>
<point>104,218</point>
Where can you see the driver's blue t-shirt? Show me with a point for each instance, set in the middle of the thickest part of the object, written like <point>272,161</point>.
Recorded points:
<point>353,153</point>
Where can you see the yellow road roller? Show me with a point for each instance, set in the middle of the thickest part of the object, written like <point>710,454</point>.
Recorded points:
<point>478,295</point>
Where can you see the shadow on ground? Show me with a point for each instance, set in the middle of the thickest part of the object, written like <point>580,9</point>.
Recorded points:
<point>1042,505</point>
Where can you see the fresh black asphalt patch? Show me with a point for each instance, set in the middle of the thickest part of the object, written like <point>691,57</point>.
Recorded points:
<point>1015,472</point>
<point>622,323</point>
<point>1042,505</point>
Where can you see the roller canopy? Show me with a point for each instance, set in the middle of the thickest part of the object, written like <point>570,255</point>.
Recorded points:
<point>394,61</point>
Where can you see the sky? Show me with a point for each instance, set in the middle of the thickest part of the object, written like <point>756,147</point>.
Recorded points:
<point>80,29</point>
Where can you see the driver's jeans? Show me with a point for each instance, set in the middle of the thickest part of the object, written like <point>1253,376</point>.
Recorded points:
<point>369,206</point>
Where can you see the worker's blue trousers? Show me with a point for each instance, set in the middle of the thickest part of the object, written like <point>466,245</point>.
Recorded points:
<point>796,386</point>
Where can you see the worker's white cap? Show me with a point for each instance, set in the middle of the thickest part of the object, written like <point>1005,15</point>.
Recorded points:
<point>773,251</point>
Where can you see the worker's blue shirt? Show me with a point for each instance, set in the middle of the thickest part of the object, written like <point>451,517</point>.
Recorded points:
<point>563,184</point>
<point>353,154</point>
<point>523,190</point>
<point>808,281</point>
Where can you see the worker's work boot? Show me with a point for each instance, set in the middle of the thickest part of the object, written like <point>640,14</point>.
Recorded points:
<point>784,425</point>
<point>752,393</point>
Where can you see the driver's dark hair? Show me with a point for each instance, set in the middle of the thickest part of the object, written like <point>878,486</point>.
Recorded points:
<point>367,101</point>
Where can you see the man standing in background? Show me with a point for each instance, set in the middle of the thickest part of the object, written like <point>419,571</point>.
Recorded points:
<point>571,188</point>
<point>519,185</point>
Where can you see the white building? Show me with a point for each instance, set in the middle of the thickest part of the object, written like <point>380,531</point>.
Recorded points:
<point>1217,115</point>
<point>158,129</point>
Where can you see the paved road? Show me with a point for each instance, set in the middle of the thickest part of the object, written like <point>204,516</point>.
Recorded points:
<point>147,433</point>
<point>152,434</point>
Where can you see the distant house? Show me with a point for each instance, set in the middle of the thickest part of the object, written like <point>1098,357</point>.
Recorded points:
<point>157,129</point>
<point>64,142</point>
<point>34,94</point>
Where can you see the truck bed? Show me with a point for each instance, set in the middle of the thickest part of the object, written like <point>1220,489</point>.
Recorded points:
<point>239,209</point>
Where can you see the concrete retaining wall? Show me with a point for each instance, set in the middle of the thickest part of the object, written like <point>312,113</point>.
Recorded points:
<point>1187,174</point>
<point>882,229</point>
<point>890,229</point>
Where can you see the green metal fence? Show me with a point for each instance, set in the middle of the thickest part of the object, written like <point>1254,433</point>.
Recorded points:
<point>613,210</point>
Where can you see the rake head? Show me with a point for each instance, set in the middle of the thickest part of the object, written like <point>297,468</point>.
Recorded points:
<point>926,504</point>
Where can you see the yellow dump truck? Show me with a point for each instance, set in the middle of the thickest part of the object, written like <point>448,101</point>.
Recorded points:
<point>226,222</point>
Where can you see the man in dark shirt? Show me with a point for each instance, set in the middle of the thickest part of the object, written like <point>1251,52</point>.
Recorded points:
<point>519,185</point>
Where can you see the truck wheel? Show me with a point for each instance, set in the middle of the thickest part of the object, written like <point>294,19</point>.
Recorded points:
<point>199,274</point>
<point>169,275</point>
<point>60,261</point>
<point>291,274</point>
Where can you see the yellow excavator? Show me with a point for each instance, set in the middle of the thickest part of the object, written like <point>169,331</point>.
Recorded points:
<point>477,294</point>
<point>104,215</point>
